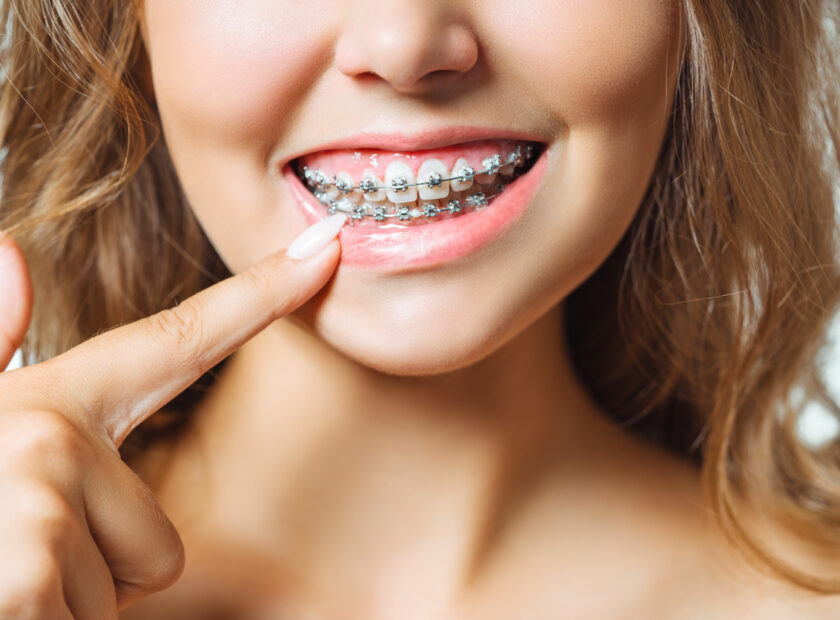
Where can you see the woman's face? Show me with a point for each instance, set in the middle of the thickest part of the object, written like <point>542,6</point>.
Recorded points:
<point>251,90</point>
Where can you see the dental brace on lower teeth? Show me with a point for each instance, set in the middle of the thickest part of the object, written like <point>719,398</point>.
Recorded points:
<point>429,210</point>
<point>477,200</point>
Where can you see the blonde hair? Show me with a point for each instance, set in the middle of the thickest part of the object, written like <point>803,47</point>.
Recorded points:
<point>696,331</point>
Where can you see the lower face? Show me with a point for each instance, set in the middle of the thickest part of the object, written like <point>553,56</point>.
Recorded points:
<point>439,269</point>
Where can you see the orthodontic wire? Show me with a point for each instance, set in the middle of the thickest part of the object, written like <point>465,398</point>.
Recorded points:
<point>467,174</point>
<point>477,200</point>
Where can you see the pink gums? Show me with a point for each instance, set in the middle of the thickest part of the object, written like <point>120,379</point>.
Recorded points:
<point>356,161</point>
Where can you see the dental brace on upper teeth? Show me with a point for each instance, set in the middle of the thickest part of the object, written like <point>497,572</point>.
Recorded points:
<point>326,190</point>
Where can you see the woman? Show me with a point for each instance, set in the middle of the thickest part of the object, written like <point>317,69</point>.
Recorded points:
<point>586,259</point>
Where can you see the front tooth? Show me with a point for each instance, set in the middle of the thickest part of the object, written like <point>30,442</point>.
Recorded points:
<point>371,179</point>
<point>343,183</point>
<point>461,167</point>
<point>430,176</point>
<point>399,174</point>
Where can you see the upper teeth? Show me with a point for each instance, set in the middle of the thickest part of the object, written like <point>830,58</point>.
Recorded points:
<point>433,179</point>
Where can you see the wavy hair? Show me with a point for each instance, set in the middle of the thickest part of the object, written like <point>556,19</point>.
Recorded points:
<point>702,330</point>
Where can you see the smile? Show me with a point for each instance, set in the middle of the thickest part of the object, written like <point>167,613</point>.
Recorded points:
<point>418,187</point>
<point>414,209</point>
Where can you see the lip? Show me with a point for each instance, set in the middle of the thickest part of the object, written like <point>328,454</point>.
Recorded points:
<point>415,141</point>
<point>413,248</point>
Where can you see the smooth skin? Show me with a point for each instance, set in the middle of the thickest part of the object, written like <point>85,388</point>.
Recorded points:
<point>81,535</point>
<point>406,446</point>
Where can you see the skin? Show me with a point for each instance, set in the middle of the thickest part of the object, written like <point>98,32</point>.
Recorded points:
<point>355,459</point>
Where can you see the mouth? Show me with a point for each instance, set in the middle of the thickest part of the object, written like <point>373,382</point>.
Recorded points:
<point>414,210</point>
<point>388,189</point>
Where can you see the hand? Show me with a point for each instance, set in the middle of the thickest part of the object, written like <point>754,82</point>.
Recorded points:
<point>81,536</point>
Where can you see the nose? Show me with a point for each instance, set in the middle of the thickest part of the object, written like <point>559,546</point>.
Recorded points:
<point>412,45</point>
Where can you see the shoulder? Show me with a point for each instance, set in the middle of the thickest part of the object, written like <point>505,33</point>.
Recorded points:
<point>641,541</point>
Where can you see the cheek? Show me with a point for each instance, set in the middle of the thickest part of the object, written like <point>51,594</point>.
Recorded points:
<point>605,71</point>
<point>228,70</point>
<point>595,61</point>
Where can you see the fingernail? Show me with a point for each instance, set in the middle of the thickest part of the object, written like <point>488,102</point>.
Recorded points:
<point>316,237</point>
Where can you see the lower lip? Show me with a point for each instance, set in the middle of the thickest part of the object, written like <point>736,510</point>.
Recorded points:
<point>422,247</point>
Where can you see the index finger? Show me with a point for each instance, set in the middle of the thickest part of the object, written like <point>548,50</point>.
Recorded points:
<point>117,379</point>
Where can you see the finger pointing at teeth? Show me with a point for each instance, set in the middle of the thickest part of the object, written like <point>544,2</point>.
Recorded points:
<point>122,376</point>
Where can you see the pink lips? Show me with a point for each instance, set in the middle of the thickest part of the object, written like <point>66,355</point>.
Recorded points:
<point>395,248</point>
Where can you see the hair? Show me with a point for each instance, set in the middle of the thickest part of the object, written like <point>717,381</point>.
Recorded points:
<point>712,310</point>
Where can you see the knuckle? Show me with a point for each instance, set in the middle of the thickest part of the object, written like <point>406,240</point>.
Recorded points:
<point>49,513</point>
<point>31,437</point>
<point>181,330</point>
<point>260,277</point>
<point>262,280</point>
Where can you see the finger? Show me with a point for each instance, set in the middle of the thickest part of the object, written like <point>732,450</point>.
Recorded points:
<point>141,547</point>
<point>15,298</point>
<point>30,580</point>
<point>119,378</point>
<point>88,585</point>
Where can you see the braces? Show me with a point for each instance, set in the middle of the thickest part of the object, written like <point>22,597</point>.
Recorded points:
<point>477,201</point>
<point>317,179</point>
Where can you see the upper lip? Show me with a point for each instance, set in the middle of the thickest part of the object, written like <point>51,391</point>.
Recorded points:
<point>414,141</point>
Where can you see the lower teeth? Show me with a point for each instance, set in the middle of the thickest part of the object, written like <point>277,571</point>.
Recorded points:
<point>428,210</point>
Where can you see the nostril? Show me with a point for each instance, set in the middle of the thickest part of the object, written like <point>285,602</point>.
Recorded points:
<point>422,47</point>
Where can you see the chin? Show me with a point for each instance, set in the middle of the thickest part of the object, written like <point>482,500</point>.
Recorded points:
<point>409,348</point>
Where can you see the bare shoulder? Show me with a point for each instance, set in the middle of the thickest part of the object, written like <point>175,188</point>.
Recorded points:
<point>635,539</point>
<point>713,579</point>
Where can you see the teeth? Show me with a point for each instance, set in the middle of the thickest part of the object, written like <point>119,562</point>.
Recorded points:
<point>315,178</point>
<point>455,206</point>
<point>466,173</point>
<point>492,165</point>
<point>403,212</point>
<point>478,200</point>
<point>430,208</point>
<point>431,175</point>
<point>399,179</point>
<point>344,184</point>
<point>326,194</point>
<point>510,163</point>
<point>370,180</point>
<point>378,212</point>
<point>359,211</point>
<point>396,197</point>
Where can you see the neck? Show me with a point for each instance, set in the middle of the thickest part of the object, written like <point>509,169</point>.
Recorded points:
<point>332,461</point>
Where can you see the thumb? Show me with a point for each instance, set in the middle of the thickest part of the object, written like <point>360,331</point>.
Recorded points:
<point>15,298</point>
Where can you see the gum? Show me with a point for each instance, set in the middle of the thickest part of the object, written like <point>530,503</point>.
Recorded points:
<point>356,162</point>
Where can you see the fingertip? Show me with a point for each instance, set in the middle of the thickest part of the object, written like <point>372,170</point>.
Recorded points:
<point>318,267</point>
<point>314,239</point>
<point>15,289</point>
<point>15,299</point>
